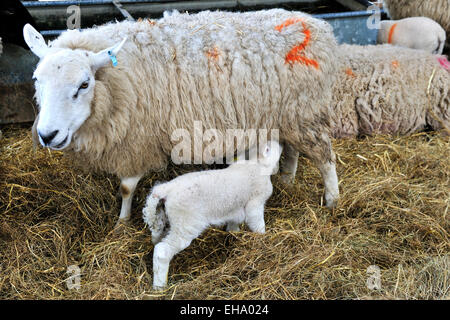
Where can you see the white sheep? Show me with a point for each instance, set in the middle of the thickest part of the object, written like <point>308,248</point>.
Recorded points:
<point>415,33</point>
<point>265,70</point>
<point>178,211</point>
<point>438,10</point>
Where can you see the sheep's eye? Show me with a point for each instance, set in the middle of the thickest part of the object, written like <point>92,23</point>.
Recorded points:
<point>84,85</point>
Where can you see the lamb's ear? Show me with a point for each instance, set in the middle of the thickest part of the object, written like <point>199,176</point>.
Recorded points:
<point>102,58</point>
<point>266,151</point>
<point>35,41</point>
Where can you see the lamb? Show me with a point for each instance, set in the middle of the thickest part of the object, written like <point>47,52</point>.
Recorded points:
<point>416,33</point>
<point>438,10</point>
<point>390,90</point>
<point>190,203</point>
<point>265,70</point>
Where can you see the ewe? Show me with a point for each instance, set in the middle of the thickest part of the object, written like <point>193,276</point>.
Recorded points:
<point>268,70</point>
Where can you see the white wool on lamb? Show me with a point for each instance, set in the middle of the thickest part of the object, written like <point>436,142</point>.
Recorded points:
<point>178,211</point>
<point>415,33</point>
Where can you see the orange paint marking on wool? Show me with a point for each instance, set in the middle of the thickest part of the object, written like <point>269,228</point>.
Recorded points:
<point>395,64</point>
<point>349,72</point>
<point>296,54</point>
<point>213,53</point>
<point>287,23</point>
<point>391,32</point>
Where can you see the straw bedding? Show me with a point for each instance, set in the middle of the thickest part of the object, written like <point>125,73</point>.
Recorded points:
<point>393,213</point>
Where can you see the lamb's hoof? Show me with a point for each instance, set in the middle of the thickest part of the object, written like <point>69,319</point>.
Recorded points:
<point>232,227</point>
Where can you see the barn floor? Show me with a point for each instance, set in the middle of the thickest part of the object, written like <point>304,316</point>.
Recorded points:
<point>393,214</point>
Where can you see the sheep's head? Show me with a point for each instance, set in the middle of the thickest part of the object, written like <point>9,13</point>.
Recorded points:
<point>64,81</point>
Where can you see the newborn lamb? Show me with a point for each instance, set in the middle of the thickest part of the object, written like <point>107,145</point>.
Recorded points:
<point>178,211</point>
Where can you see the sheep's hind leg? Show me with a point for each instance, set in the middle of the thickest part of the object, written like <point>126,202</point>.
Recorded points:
<point>163,253</point>
<point>316,145</point>
<point>289,164</point>
<point>127,188</point>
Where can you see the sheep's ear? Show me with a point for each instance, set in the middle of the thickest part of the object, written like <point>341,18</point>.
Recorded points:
<point>35,41</point>
<point>106,56</point>
<point>34,134</point>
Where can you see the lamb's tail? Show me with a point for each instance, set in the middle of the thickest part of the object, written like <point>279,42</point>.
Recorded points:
<point>155,216</point>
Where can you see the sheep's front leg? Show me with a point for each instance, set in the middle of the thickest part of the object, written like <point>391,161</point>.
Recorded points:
<point>127,187</point>
<point>330,179</point>
<point>289,164</point>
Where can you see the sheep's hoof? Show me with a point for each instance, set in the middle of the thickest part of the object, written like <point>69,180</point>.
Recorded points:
<point>287,178</point>
<point>120,226</point>
<point>159,288</point>
<point>331,202</point>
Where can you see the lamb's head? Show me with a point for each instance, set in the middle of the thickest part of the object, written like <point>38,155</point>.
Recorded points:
<point>270,155</point>
<point>64,81</point>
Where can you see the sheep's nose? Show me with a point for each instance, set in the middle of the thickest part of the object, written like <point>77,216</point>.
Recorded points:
<point>49,137</point>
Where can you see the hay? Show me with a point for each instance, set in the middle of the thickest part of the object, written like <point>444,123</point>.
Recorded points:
<point>394,213</point>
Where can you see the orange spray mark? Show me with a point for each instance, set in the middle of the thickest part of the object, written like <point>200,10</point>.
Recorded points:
<point>395,64</point>
<point>391,32</point>
<point>349,72</point>
<point>296,54</point>
<point>287,23</point>
<point>213,54</point>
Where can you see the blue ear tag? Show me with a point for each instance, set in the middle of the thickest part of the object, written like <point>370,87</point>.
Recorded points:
<point>113,59</point>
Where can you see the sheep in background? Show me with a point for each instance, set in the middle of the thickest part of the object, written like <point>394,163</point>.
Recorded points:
<point>416,33</point>
<point>390,90</point>
<point>268,70</point>
<point>438,10</point>
<point>190,203</point>
<point>387,90</point>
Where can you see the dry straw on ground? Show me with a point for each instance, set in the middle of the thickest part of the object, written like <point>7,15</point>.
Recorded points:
<point>394,213</point>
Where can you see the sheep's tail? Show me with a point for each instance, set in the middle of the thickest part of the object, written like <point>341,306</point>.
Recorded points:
<point>155,216</point>
<point>440,46</point>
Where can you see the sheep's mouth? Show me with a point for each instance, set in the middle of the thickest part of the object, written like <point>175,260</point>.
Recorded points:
<point>61,145</point>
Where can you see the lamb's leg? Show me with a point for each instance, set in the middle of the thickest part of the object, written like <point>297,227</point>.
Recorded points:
<point>289,164</point>
<point>254,216</point>
<point>127,187</point>
<point>238,215</point>
<point>163,253</point>
<point>316,145</point>
<point>232,227</point>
